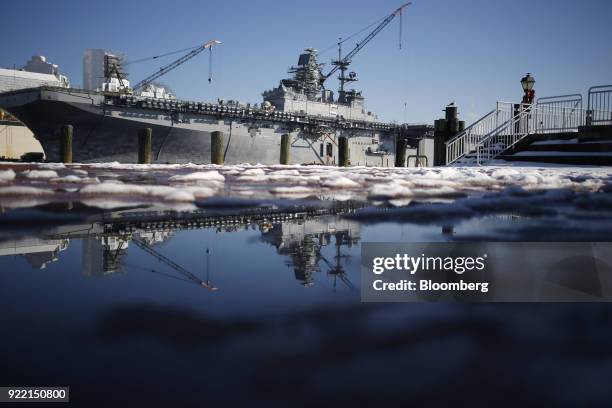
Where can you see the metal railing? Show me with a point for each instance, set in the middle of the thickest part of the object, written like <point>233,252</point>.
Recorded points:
<point>488,138</point>
<point>467,140</point>
<point>506,125</point>
<point>599,108</point>
<point>561,113</point>
<point>510,133</point>
<point>532,119</point>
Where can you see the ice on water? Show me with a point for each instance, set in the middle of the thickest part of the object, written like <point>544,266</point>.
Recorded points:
<point>444,192</point>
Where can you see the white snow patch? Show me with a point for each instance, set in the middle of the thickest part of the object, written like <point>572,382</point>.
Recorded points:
<point>7,175</point>
<point>199,176</point>
<point>40,174</point>
<point>75,179</point>
<point>24,190</point>
<point>51,166</point>
<point>390,190</point>
<point>340,182</point>
<point>163,192</point>
<point>253,172</point>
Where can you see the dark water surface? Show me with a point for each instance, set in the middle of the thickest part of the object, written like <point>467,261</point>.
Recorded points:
<point>260,306</point>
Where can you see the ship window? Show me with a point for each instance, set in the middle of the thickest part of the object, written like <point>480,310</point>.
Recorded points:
<point>330,149</point>
<point>321,150</point>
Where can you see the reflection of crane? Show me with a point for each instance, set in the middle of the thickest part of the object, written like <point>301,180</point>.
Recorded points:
<point>336,270</point>
<point>147,248</point>
<point>164,70</point>
<point>342,63</point>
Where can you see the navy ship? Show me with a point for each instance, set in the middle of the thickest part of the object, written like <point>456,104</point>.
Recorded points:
<point>106,121</point>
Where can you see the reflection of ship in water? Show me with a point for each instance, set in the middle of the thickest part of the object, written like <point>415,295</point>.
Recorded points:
<point>37,251</point>
<point>303,242</point>
<point>298,231</point>
<point>102,253</point>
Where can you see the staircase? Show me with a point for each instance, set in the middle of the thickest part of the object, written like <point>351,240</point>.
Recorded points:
<point>492,135</point>
<point>565,148</point>
<point>534,132</point>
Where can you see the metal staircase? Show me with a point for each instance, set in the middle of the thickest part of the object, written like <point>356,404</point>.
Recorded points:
<point>506,125</point>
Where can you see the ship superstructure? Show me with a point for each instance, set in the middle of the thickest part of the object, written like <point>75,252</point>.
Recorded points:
<point>305,94</point>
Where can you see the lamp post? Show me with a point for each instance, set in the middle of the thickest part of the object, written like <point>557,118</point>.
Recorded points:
<point>527,83</point>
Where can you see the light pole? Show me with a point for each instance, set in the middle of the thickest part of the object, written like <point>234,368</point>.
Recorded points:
<point>527,82</point>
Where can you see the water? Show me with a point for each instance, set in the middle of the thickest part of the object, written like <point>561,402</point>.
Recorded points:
<point>249,296</point>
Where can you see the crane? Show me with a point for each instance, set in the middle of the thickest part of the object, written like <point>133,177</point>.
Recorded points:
<point>342,63</point>
<point>164,70</point>
<point>147,248</point>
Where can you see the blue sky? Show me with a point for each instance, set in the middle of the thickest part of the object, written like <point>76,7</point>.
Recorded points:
<point>473,52</point>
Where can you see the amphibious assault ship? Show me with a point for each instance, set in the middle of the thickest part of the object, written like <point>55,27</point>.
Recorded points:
<point>106,122</point>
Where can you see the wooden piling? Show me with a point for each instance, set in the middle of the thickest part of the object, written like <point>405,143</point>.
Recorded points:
<point>400,152</point>
<point>66,144</point>
<point>343,150</point>
<point>285,155</point>
<point>145,136</point>
<point>440,136</point>
<point>216,147</point>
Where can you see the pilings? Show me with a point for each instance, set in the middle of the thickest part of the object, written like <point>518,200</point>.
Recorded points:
<point>144,145</point>
<point>66,144</point>
<point>400,152</point>
<point>444,130</point>
<point>343,149</point>
<point>440,132</point>
<point>216,147</point>
<point>285,155</point>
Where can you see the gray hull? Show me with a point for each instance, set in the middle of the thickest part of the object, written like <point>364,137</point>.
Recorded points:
<point>105,133</point>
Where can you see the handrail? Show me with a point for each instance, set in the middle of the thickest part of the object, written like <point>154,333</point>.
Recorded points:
<point>530,119</point>
<point>467,129</point>
<point>559,98</point>
<point>467,140</point>
<point>599,106</point>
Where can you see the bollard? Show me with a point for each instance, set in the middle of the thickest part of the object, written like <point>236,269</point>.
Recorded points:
<point>66,144</point>
<point>144,145</point>
<point>285,155</point>
<point>216,147</point>
<point>400,152</point>
<point>451,120</point>
<point>440,137</point>
<point>589,118</point>
<point>343,151</point>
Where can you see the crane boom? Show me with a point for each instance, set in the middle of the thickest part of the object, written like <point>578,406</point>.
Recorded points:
<point>164,70</point>
<point>342,63</point>
<point>147,248</point>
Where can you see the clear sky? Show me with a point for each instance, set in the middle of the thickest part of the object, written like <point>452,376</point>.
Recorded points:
<point>473,52</point>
